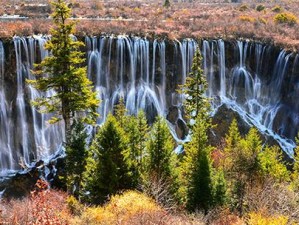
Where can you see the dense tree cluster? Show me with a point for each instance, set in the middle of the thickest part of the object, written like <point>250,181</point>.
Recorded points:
<point>128,153</point>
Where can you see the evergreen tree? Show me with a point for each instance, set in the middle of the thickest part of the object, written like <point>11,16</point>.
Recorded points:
<point>233,137</point>
<point>160,150</point>
<point>197,167</point>
<point>246,161</point>
<point>73,90</point>
<point>138,131</point>
<point>109,171</point>
<point>220,188</point>
<point>271,165</point>
<point>243,167</point>
<point>232,142</point>
<point>197,173</point>
<point>194,89</point>
<point>120,112</point>
<point>241,154</point>
<point>160,175</point>
<point>76,159</point>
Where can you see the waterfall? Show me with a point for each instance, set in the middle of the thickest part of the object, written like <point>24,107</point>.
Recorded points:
<point>257,81</point>
<point>22,61</point>
<point>25,135</point>
<point>120,67</point>
<point>6,156</point>
<point>257,100</point>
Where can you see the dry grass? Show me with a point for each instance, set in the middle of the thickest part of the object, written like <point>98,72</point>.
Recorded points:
<point>150,18</point>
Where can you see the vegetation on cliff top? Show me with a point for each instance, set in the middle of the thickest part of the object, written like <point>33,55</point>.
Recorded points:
<point>179,20</point>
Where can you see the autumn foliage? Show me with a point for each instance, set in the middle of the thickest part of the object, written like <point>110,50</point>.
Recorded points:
<point>43,207</point>
<point>179,20</point>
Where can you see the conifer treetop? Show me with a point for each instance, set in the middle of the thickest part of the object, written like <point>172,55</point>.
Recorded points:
<point>62,72</point>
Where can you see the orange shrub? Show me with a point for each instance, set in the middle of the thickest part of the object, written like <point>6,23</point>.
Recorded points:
<point>43,207</point>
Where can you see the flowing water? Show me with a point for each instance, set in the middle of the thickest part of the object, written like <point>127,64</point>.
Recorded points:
<point>259,82</point>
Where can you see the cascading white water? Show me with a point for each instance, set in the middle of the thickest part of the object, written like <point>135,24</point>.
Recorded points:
<point>146,74</point>
<point>257,100</point>
<point>46,136</point>
<point>126,73</point>
<point>22,124</point>
<point>6,156</point>
<point>25,134</point>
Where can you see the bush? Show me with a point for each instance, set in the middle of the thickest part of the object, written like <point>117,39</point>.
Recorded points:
<point>131,207</point>
<point>44,206</point>
<point>243,8</point>
<point>259,219</point>
<point>247,19</point>
<point>286,18</point>
<point>260,8</point>
<point>74,205</point>
<point>276,9</point>
<point>262,20</point>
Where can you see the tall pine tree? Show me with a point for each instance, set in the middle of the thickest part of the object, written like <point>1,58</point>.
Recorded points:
<point>160,150</point>
<point>197,168</point>
<point>109,170</point>
<point>138,132</point>
<point>199,185</point>
<point>160,176</point>
<point>194,89</point>
<point>73,91</point>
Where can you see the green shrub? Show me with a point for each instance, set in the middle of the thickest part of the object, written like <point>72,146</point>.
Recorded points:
<point>260,8</point>
<point>277,9</point>
<point>285,18</point>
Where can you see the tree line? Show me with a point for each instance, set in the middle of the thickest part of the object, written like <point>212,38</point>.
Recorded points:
<point>128,153</point>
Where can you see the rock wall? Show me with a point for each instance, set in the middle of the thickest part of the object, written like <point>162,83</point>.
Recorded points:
<point>259,82</point>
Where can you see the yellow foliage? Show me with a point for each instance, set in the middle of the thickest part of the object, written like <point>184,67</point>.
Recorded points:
<point>123,209</point>
<point>247,19</point>
<point>286,18</point>
<point>136,10</point>
<point>74,205</point>
<point>257,218</point>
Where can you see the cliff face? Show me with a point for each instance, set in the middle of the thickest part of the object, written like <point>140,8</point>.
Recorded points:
<point>259,82</point>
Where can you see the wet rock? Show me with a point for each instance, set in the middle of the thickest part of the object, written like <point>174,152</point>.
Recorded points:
<point>173,114</point>
<point>181,129</point>
<point>21,183</point>
<point>221,121</point>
